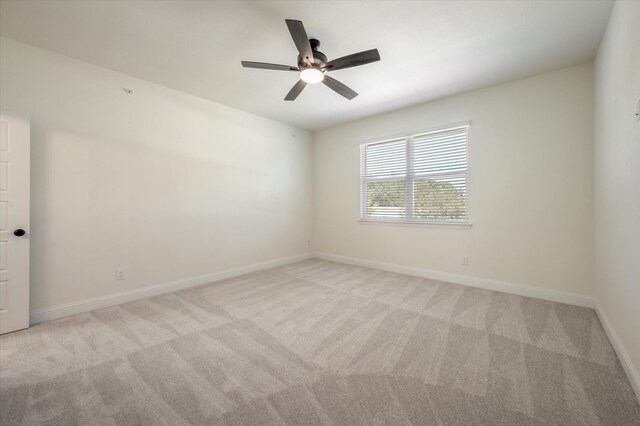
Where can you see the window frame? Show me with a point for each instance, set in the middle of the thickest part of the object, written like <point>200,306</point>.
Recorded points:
<point>409,177</point>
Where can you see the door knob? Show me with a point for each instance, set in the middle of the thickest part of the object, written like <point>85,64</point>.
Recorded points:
<point>19,232</point>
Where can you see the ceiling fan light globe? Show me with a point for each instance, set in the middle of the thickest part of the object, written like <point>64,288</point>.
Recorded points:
<point>312,75</point>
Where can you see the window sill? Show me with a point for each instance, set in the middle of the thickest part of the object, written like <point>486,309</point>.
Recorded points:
<point>459,225</point>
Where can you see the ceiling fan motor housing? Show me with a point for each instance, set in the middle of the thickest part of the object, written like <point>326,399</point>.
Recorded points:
<point>319,58</point>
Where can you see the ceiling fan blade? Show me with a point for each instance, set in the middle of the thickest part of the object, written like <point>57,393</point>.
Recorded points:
<point>354,60</point>
<point>300,38</point>
<point>295,91</point>
<point>338,87</point>
<point>265,66</point>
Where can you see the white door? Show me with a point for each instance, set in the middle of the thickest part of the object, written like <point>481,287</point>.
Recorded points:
<point>15,147</point>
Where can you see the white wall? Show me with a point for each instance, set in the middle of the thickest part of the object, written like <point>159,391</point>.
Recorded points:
<point>530,186</point>
<point>617,179</point>
<point>164,184</point>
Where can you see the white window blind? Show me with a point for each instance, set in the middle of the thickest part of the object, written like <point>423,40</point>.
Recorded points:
<point>416,178</point>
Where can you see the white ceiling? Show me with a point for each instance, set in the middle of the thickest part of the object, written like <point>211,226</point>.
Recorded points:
<point>429,49</point>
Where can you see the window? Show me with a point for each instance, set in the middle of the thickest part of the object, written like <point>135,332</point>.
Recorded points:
<point>419,178</point>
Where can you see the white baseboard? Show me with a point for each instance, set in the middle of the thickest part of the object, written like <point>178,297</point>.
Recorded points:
<point>503,287</point>
<point>60,311</point>
<point>73,308</point>
<point>623,355</point>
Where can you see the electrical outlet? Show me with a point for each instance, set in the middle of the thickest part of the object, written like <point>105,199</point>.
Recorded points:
<point>120,274</point>
<point>465,260</point>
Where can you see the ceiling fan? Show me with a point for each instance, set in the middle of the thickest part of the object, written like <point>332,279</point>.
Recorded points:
<point>313,65</point>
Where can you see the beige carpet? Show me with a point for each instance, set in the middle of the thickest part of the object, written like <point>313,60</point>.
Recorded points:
<point>317,342</point>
